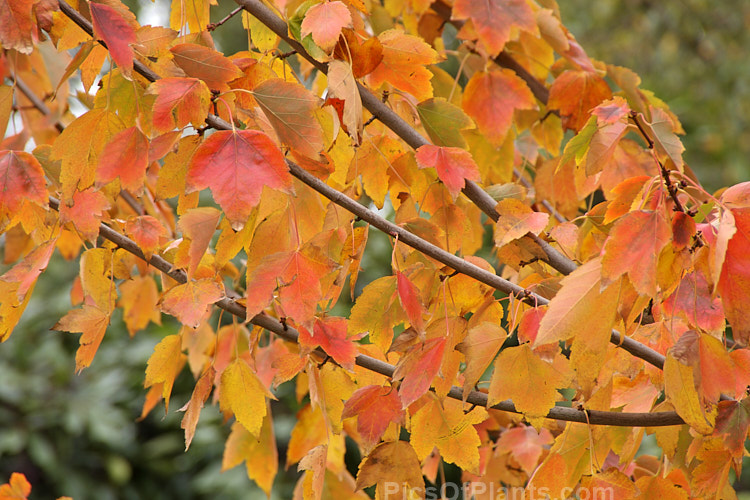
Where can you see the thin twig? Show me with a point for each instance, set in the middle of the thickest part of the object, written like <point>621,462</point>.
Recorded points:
<point>213,26</point>
<point>662,169</point>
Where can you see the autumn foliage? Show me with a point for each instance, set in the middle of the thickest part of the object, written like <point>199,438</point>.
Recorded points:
<point>236,192</point>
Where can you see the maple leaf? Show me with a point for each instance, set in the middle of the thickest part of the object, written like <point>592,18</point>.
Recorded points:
<point>259,453</point>
<point>450,429</point>
<point>379,155</point>
<point>679,387</point>
<point>79,147</point>
<point>376,312</point>
<point>115,28</point>
<point>732,421</point>
<point>298,277</point>
<point>363,57</point>
<point>236,165</point>
<point>289,107</point>
<point>193,407</point>
<point>525,444</point>
<point>418,368</point>
<point>164,365</point>
<point>309,431</point>
<point>193,13</point>
<point>575,93</point>
<point>325,22</point>
<point>314,465</point>
<point>17,30</point>
<point>581,309</point>
<point>330,334</point>
<point>147,232</point>
<point>693,301</point>
<point>342,85</point>
<point>205,64</point>
<point>494,19</point>
<point>516,220</point>
<point>480,347</point>
<point>443,122</point>
<point>126,157</point>
<point>179,101</point>
<point>710,476</point>
<point>411,303</point>
<point>92,322</point>
<point>529,381</point>
<point>244,395</point>
<point>394,462</point>
<point>734,280</point>
<point>375,408</point>
<point>453,166</point>
<point>21,178</point>
<point>661,130</point>
<point>191,302</point>
<point>577,305</point>
<point>402,64</point>
<point>611,480</point>
<point>490,99</point>
<point>652,231</point>
<point>85,212</point>
<point>18,488</point>
<point>139,300</point>
<point>26,272</point>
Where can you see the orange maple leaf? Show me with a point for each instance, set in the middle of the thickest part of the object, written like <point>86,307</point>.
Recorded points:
<point>490,99</point>
<point>325,21</point>
<point>21,178</point>
<point>494,19</point>
<point>125,156</point>
<point>206,64</point>
<point>375,408</point>
<point>191,302</point>
<point>114,28</point>
<point>92,322</point>
<point>179,101</point>
<point>330,334</point>
<point>236,165</point>
<point>453,166</point>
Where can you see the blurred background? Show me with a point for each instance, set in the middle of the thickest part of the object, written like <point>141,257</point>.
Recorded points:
<point>77,435</point>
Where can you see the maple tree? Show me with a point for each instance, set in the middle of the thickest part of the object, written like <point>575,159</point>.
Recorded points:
<point>611,305</point>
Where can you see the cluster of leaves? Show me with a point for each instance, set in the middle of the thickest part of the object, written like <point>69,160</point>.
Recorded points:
<point>607,318</point>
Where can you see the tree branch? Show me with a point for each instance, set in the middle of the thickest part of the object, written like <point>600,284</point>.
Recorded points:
<point>38,103</point>
<point>632,346</point>
<point>375,365</point>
